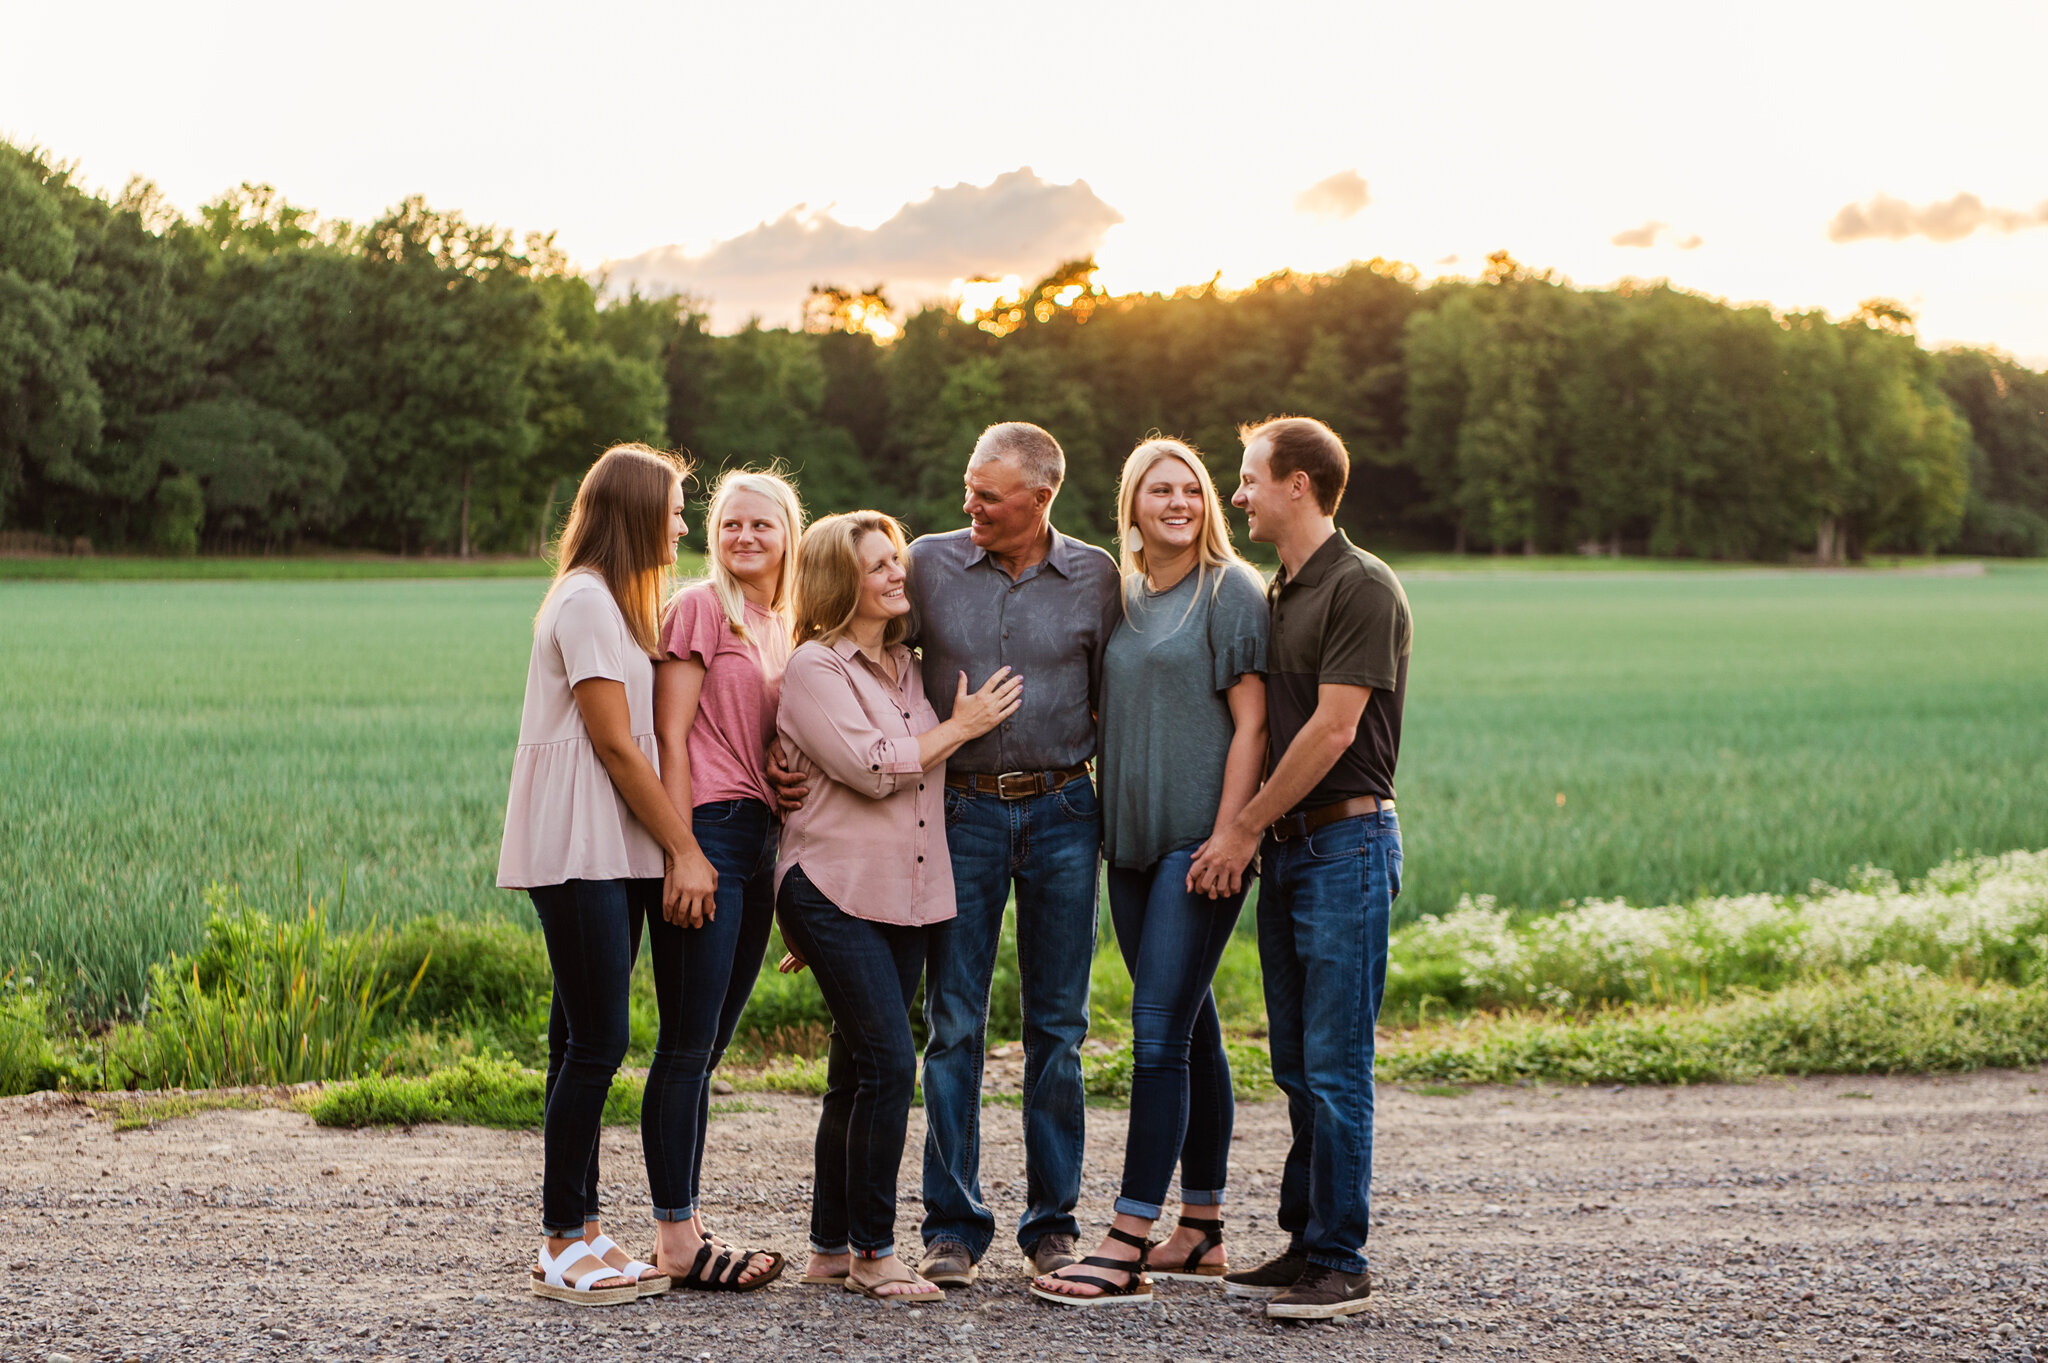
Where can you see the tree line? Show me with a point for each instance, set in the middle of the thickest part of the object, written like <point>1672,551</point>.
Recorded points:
<point>258,378</point>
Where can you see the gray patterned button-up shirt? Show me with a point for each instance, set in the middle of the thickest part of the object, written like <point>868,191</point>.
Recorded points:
<point>1049,626</point>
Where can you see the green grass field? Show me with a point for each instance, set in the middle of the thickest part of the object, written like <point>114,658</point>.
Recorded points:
<point>1709,733</point>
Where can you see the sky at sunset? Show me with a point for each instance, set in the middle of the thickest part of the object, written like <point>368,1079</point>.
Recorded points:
<point>1803,155</point>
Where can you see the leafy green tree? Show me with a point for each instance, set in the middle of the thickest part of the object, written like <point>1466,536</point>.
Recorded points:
<point>2006,405</point>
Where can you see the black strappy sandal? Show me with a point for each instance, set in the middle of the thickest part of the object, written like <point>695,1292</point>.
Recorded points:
<point>719,1281</point>
<point>1194,1270</point>
<point>1137,1288</point>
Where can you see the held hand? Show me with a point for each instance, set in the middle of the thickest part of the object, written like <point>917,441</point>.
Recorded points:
<point>688,889</point>
<point>790,786</point>
<point>790,963</point>
<point>1218,868</point>
<point>998,699</point>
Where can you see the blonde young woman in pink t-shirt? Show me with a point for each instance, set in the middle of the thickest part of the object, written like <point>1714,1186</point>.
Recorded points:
<point>863,872</point>
<point>724,643</point>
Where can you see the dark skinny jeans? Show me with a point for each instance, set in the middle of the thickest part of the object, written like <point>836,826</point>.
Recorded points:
<point>868,973</point>
<point>702,977</point>
<point>592,929</point>
<point>1181,1105</point>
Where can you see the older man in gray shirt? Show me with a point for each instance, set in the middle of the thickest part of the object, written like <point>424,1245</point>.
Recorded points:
<point>1021,813</point>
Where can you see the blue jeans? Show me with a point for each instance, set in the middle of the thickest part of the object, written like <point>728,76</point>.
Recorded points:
<point>1324,902</point>
<point>1047,847</point>
<point>1181,1105</point>
<point>867,972</point>
<point>702,977</point>
<point>592,929</point>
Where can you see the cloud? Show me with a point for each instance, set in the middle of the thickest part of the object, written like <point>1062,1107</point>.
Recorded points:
<point>1951,220</point>
<point>1338,196</point>
<point>1017,224</point>
<point>1649,232</point>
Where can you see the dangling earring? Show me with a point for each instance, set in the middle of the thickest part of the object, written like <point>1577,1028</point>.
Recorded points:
<point>1134,539</point>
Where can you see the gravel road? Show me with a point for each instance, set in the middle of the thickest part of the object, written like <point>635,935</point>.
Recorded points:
<point>1831,1218</point>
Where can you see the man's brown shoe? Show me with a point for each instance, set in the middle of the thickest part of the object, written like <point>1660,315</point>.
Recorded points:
<point>1269,1279</point>
<point>1321,1293</point>
<point>947,1263</point>
<point>1052,1253</point>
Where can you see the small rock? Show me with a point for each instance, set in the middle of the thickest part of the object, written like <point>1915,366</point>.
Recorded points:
<point>721,1086</point>
<point>58,1358</point>
<point>1443,1341</point>
<point>481,1299</point>
<point>2006,1331</point>
<point>279,1334</point>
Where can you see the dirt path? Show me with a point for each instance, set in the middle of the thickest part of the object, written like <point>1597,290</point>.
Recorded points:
<point>1832,1219</point>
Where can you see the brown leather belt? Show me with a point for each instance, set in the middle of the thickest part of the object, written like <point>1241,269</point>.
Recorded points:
<point>1015,785</point>
<point>1301,825</point>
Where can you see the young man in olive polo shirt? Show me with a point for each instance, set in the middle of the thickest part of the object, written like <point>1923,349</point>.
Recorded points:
<point>1331,854</point>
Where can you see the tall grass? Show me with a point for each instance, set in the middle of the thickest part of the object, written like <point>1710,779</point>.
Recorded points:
<point>1711,734</point>
<point>266,1001</point>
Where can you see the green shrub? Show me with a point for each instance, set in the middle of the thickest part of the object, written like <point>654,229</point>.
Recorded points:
<point>469,968</point>
<point>1892,1019</point>
<point>265,1001</point>
<point>28,1059</point>
<point>785,1074</point>
<point>180,510</point>
<point>472,1092</point>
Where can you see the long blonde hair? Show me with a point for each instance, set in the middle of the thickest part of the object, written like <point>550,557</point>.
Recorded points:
<point>768,483</point>
<point>1214,553</point>
<point>828,574</point>
<point>617,527</point>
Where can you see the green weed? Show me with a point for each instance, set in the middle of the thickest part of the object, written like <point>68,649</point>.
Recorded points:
<point>472,1092</point>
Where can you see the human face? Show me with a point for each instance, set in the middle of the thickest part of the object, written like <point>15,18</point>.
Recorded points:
<point>881,579</point>
<point>1258,495</point>
<point>751,539</point>
<point>1168,509</point>
<point>676,528</point>
<point>1004,516</point>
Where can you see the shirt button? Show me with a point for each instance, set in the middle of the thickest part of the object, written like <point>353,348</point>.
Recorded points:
<point>876,767</point>
<point>920,823</point>
<point>920,859</point>
<point>920,785</point>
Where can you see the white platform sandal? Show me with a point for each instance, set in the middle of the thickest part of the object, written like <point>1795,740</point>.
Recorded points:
<point>635,1269</point>
<point>551,1278</point>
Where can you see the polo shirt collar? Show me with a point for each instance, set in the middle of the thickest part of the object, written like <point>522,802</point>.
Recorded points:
<point>1331,549</point>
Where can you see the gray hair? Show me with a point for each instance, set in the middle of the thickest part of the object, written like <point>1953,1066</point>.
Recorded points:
<point>1037,455</point>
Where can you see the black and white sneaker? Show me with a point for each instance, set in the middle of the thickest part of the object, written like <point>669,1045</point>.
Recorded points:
<point>1268,1279</point>
<point>1321,1293</point>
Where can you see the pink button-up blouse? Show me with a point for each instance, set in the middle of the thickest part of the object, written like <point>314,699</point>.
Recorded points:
<point>871,835</point>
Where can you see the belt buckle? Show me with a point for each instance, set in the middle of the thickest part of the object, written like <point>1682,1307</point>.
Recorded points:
<point>1003,791</point>
<point>1289,826</point>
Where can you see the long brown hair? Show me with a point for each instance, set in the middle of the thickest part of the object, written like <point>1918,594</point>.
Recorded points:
<point>618,528</point>
<point>828,573</point>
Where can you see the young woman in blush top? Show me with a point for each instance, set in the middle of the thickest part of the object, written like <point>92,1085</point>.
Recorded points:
<point>1183,748</point>
<point>724,642</point>
<point>594,839</point>
<point>863,872</point>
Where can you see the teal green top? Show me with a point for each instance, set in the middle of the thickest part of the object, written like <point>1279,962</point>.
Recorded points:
<point>1166,725</point>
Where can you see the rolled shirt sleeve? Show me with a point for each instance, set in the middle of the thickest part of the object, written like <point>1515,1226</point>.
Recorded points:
<point>823,715</point>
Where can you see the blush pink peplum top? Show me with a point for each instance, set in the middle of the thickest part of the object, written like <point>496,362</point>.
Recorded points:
<point>871,835</point>
<point>564,819</point>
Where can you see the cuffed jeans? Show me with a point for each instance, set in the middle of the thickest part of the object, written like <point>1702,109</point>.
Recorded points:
<point>702,977</point>
<point>868,973</point>
<point>1324,902</point>
<point>1047,847</point>
<point>592,929</point>
<point>1181,1105</point>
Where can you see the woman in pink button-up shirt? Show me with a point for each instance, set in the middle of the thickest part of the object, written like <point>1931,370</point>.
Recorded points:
<point>863,870</point>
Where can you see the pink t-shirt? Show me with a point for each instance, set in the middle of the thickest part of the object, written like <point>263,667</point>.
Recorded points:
<point>742,685</point>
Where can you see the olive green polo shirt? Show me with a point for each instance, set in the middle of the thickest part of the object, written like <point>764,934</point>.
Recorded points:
<point>1342,620</point>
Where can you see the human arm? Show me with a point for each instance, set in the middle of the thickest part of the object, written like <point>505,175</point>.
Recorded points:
<point>1308,759</point>
<point>822,716</point>
<point>790,786</point>
<point>1242,767</point>
<point>678,685</point>
<point>602,703</point>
